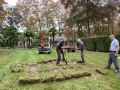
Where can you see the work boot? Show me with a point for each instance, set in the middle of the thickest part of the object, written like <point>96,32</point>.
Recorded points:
<point>117,71</point>
<point>82,62</point>
<point>66,62</point>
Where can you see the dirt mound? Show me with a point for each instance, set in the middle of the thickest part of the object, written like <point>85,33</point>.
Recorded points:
<point>16,68</point>
<point>53,78</point>
<point>23,80</point>
<point>48,71</point>
<point>46,62</point>
<point>102,72</point>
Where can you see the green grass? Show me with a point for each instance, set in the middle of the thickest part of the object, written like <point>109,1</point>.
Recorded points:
<point>9,81</point>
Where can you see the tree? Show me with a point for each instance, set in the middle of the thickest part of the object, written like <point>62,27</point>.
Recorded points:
<point>10,36</point>
<point>2,12</point>
<point>90,14</point>
<point>29,35</point>
<point>52,33</point>
<point>1,40</point>
<point>39,15</point>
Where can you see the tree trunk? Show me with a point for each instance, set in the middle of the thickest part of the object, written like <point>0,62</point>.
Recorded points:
<point>53,35</point>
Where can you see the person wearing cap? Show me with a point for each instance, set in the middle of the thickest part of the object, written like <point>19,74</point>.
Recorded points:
<point>114,49</point>
<point>80,45</point>
<point>60,52</point>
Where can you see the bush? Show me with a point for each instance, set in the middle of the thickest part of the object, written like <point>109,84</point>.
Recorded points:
<point>100,44</point>
<point>81,34</point>
<point>90,44</point>
<point>9,37</point>
<point>107,44</point>
<point>35,42</point>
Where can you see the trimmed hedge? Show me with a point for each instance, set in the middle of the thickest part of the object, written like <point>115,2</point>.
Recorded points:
<point>100,44</point>
<point>90,44</point>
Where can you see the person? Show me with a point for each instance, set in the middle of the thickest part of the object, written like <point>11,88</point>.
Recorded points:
<point>80,45</point>
<point>60,52</point>
<point>114,49</point>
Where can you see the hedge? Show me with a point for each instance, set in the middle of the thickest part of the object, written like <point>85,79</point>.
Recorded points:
<point>100,44</point>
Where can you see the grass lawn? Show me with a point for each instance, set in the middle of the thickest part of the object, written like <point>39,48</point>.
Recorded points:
<point>9,81</point>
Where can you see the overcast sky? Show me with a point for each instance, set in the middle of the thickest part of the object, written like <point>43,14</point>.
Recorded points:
<point>11,2</point>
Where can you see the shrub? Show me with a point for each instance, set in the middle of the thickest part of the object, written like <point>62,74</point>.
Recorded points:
<point>100,44</point>
<point>90,44</point>
<point>10,36</point>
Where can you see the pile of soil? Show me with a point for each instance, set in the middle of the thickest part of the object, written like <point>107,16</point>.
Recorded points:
<point>47,71</point>
<point>52,78</point>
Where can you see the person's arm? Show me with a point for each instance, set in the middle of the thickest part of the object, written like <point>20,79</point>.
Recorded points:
<point>117,47</point>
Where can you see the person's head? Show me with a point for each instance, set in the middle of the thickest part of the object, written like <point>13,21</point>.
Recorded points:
<point>112,36</point>
<point>79,41</point>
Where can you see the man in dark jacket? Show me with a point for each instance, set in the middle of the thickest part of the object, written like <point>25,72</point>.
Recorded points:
<point>81,46</point>
<point>60,52</point>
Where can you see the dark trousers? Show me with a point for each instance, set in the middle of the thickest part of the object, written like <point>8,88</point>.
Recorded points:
<point>60,56</point>
<point>113,59</point>
<point>82,56</point>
